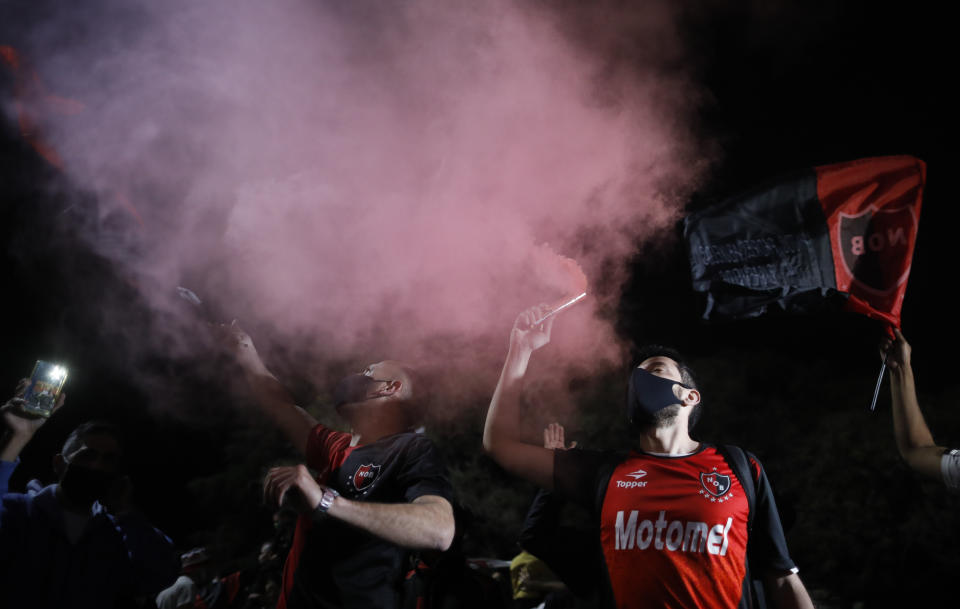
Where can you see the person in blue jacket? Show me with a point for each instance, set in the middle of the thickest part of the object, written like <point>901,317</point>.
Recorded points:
<point>76,543</point>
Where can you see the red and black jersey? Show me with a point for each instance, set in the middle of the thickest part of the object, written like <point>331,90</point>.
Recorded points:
<point>333,564</point>
<point>673,529</point>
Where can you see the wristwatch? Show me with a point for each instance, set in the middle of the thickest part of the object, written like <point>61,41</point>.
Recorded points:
<point>326,500</point>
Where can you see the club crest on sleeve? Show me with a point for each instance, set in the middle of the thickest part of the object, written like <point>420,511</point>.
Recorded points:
<point>365,475</point>
<point>714,485</point>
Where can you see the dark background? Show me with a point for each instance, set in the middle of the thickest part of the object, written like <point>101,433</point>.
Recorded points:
<point>790,85</point>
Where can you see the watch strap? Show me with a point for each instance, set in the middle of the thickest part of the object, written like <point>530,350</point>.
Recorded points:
<point>326,500</point>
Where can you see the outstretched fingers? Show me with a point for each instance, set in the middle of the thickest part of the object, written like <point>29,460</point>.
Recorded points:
<point>554,437</point>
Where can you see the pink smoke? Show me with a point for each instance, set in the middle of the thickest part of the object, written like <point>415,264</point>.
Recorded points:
<point>369,181</point>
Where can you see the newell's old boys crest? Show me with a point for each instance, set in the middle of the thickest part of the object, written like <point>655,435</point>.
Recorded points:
<point>715,484</point>
<point>876,244</point>
<point>365,475</point>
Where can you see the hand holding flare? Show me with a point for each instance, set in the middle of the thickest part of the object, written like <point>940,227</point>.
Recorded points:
<point>578,283</point>
<point>560,305</point>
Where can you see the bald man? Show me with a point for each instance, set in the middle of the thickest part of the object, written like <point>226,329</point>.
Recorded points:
<point>375,493</point>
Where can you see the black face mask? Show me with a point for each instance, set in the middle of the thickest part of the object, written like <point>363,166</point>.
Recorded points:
<point>648,394</point>
<point>354,388</point>
<point>85,485</point>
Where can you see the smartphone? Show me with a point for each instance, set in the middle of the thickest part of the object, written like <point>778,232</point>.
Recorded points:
<point>44,389</point>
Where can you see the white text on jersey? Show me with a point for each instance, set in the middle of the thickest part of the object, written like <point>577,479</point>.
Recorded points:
<point>682,536</point>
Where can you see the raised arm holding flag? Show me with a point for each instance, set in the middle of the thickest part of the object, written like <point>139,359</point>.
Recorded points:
<point>830,237</point>
<point>914,440</point>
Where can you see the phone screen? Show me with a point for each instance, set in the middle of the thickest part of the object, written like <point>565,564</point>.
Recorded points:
<point>45,386</point>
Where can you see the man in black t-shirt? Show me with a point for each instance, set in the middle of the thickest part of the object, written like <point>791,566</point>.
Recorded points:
<point>378,492</point>
<point>674,521</point>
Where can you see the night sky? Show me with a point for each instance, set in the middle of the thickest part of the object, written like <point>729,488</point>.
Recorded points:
<point>787,85</point>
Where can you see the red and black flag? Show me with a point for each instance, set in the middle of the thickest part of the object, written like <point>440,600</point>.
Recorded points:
<point>33,103</point>
<point>832,235</point>
<point>31,100</point>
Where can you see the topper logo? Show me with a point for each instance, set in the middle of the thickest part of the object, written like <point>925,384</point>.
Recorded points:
<point>636,482</point>
<point>365,475</point>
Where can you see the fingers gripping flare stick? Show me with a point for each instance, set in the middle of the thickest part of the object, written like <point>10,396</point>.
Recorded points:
<point>560,306</point>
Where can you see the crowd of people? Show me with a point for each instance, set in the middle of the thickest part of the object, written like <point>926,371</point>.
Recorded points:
<point>674,521</point>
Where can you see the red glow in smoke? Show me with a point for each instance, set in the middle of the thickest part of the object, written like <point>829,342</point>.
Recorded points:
<point>381,183</point>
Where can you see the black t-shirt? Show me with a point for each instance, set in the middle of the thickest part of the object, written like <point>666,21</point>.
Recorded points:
<point>673,529</point>
<point>333,564</point>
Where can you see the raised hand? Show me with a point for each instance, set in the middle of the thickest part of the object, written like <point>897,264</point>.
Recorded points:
<point>21,423</point>
<point>897,351</point>
<point>553,438</point>
<point>528,335</point>
<point>241,346</point>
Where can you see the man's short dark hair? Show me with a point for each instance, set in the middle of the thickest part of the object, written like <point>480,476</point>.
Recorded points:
<point>687,375</point>
<point>90,428</point>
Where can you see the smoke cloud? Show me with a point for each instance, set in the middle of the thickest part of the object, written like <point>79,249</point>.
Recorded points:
<point>367,180</point>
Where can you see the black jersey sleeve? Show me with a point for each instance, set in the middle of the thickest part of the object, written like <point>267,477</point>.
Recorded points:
<point>768,545</point>
<point>541,522</point>
<point>422,472</point>
<point>581,476</point>
<point>564,549</point>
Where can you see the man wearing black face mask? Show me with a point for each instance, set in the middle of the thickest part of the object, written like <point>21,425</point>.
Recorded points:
<point>76,543</point>
<point>674,519</point>
<point>379,491</point>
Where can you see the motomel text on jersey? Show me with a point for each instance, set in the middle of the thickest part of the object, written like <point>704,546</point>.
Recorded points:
<point>680,536</point>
